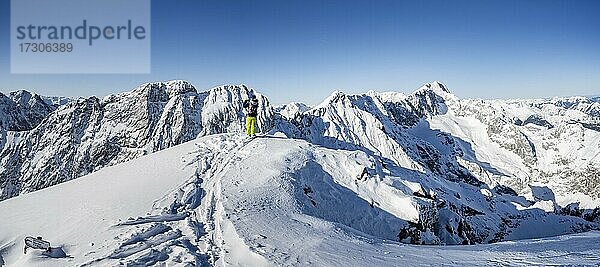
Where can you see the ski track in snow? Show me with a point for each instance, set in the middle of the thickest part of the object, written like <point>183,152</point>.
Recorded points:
<point>259,208</point>
<point>251,221</point>
<point>231,213</point>
<point>186,221</point>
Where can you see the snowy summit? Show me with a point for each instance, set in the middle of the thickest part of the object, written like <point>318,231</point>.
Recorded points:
<point>162,175</point>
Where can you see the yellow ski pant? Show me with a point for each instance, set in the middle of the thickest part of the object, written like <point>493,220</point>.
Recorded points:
<point>251,125</point>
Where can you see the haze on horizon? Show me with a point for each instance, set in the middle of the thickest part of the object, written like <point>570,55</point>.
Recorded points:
<point>304,50</point>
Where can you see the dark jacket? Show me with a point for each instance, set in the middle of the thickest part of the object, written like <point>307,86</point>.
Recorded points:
<point>251,107</point>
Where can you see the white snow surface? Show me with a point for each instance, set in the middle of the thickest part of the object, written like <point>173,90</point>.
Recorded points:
<point>338,184</point>
<point>223,200</point>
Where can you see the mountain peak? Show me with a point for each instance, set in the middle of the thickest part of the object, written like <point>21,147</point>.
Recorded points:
<point>229,87</point>
<point>162,91</point>
<point>334,97</point>
<point>436,87</point>
<point>21,96</point>
<point>180,84</point>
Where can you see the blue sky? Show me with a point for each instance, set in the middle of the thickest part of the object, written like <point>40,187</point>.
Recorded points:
<point>304,50</point>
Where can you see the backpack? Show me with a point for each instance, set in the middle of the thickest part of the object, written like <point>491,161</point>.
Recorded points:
<point>253,108</point>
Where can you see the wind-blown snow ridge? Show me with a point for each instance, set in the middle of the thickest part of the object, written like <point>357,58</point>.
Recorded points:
<point>210,204</point>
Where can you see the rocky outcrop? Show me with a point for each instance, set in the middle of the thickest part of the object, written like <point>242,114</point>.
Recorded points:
<point>88,134</point>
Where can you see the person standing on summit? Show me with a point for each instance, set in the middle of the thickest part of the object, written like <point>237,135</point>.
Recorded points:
<point>251,107</point>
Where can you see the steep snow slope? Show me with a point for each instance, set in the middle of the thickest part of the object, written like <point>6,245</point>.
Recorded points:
<point>86,135</point>
<point>222,200</point>
<point>507,145</point>
<point>77,214</point>
<point>378,123</point>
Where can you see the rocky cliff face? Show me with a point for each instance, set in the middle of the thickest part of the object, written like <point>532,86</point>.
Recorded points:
<point>383,124</point>
<point>21,111</point>
<point>52,146</point>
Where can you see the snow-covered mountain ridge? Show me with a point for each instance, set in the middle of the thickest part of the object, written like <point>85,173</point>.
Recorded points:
<point>222,200</point>
<point>472,170</point>
<point>155,116</point>
<point>48,145</point>
<point>498,142</point>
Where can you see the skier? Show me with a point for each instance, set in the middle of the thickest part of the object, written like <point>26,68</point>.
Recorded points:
<point>251,107</point>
